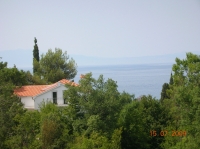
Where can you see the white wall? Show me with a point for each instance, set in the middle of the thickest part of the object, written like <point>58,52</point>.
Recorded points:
<point>28,102</point>
<point>48,96</point>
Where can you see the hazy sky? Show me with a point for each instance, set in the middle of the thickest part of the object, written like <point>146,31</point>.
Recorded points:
<point>105,28</point>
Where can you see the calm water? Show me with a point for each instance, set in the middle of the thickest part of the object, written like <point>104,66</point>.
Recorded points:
<point>134,79</point>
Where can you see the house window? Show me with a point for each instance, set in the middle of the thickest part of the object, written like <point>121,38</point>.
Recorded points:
<point>65,100</point>
<point>55,97</point>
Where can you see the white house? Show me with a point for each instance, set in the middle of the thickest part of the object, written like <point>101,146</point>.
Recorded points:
<point>32,95</point>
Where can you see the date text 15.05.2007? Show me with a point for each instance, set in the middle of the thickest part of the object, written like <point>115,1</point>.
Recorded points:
<point>163,133</point>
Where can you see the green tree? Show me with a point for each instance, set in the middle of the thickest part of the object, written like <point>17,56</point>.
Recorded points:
<point>36,51</point>
<point>13,75</point>
<point>3,64</point>
<point>164,95</point>
<point>156,118</point>
<point>10,106</point>
<point>138,119</point>
<point>35,56</point>
<point>95,105</point>
<point>25,131</point>
<point>171,81</point>
<point>55,128</point>
<point>34,79</point>
<point>36,65</point>
<point>134,134</point>
<point>165,87</point>
<point>49,132</point>
<point>18,77</point>
<point>98,141</point>
<point>55,66</point>
<point>185,101</point>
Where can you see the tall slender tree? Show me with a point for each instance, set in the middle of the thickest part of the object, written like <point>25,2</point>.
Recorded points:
<point>164,95</point>
<point>171,81</point>
<point>165,87</point>
<point>36,57</point>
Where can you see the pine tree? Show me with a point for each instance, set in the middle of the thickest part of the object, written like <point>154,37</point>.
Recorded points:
<point>35,56</point>
<point>56,65</point>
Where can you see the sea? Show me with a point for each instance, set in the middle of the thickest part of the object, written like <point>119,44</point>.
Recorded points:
<point>138,79</point>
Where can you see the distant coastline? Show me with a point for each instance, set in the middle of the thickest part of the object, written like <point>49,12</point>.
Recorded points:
<point>111,66</point>
<point>15,57</point>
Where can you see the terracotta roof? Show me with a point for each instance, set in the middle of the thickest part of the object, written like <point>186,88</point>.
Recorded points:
<point>64,81</point>
<point>48,87</point>
<point>33,90</point>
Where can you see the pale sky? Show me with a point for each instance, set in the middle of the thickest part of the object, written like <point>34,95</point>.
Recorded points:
<point>105,28</point>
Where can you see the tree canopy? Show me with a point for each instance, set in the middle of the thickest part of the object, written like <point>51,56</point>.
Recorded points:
<point>98,116</point>
<point>56,65</point>
<point>185,102</point>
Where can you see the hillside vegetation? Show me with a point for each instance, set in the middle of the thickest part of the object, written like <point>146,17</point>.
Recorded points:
<point>100,117</point>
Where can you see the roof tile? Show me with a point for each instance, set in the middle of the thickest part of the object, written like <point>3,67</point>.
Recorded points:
<point>33,90</point>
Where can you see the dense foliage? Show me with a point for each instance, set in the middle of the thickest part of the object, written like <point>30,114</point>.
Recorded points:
<point>100,117</point>
<point>52,67</point>
<point>55,65</point>
<point>184,103</point>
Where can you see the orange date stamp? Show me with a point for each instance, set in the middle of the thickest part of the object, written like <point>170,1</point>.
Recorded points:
<point>163,133</point>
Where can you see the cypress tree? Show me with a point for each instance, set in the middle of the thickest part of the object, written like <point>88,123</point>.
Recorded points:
<point>165,87</point>
<point>35,55</point>
<point>171,81</point>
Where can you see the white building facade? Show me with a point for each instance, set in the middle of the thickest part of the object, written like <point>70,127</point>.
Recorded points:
<point>33,96</point>
<point>55,95</point>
